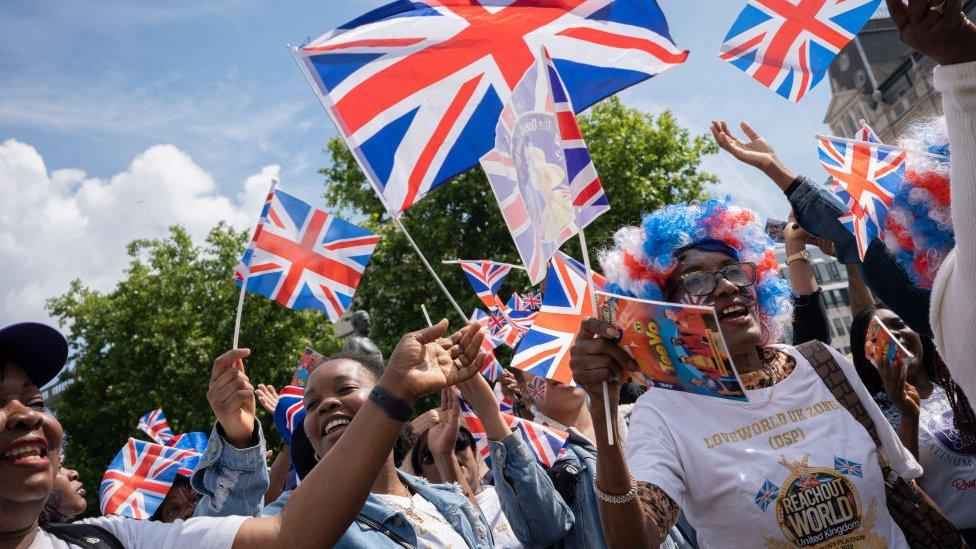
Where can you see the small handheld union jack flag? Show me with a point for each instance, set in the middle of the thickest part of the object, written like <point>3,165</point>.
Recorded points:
<point>305,258</point>
<point>486,278</point>
<point>544,350</point>
<point>545,443</point>
<point>849,468</point>
<point>290,410</point>
<point>865,177</point>
<point>788,45</point>
<point>766,495</point>
<point>139,477</point>
<point>866,133</point>
<point>154,424</point>
<point>529,301</point>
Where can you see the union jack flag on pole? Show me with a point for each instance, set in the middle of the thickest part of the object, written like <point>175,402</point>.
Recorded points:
<point>788,45</point>
<point>544,350</point>
<point>529,301</point>
<point>139,477</point>
<point>865,177</point>
<point>154,424</point>
<point>540,171</point>
<point>866,133</point>
<point>486,278</point>
<point>415,86</point>
<point>305,258</point>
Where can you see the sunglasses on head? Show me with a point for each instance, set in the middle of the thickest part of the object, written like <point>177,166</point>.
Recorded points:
<point>702,283</point>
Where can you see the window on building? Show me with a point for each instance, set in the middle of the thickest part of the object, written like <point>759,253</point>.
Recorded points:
<point>832,270</point>
<point>839,327</point>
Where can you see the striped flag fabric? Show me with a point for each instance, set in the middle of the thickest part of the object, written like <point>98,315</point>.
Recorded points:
<point>788,45</point>
<point>865,177</point>
<point>544,350</point>
<point>305,258</point>
<point>866,133</point>
<point>540,171</point>
<point>154,424</point>
<point>414,87</point>
<point>140,476</point>
<point>290,410</point>
<point>545,443</point>
<point>486,279</point>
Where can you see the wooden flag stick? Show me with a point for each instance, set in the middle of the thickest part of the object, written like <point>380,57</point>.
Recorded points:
<point>379,194</point>
<point>247,273</point>
<point>592,290</point>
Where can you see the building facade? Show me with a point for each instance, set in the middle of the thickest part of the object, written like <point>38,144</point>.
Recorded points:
<point>832,277</point>
<point>879,79</point>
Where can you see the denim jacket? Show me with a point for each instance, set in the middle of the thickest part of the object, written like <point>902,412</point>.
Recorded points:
<point>817,210</point>
<point>588,531</point>
<point>227,490</point>
<point>537,513</point>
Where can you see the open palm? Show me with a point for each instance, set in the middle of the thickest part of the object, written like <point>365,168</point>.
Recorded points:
<point>424,361</point>
<point>755,151</point>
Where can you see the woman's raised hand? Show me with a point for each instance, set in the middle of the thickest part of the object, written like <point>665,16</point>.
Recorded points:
<point>596,358</point>
<point>425,361</point>
<point>267,397</point>
<point>754,151</point>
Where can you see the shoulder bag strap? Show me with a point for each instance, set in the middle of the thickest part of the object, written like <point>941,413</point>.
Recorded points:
<point>379,527</point>
<point>88,536</point>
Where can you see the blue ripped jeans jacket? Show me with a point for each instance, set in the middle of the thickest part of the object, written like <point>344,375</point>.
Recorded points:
<point>233,481</point>
<point>816,210</point>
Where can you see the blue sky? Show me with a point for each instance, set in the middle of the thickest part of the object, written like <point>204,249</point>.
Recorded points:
<point>92,89</point>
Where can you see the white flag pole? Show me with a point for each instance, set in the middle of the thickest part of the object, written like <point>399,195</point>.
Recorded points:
<point>379,194</point>
<point>247,273</point>
<point>592,290</point>
<point>426,314</point>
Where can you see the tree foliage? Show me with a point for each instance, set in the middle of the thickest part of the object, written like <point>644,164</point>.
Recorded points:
<point>644,162</point>
<point>151,342</point>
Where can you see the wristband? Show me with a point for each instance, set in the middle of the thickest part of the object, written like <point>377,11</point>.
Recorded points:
<point>393,406</point>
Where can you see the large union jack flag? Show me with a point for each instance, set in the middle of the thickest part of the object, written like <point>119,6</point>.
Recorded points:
<point>865,177</point>
<point>139,477</point>
<point>415,87</point>
<point>305,258</point>
<point>540,171</point>
<point>290,410</point>
<point>788,45</point>
<point>544,350</point>
<point>486,278</point>
<point>545,443</point>
<point>154,424</point>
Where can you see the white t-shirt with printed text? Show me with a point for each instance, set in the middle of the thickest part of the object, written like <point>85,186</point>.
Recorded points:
<point>501,530</point>
<point>792,466</point>
<point>949,461</point>
<point>198,533</point>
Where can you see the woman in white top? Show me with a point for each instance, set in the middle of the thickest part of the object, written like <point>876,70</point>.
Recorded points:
<point>320,510</point>
<point>791,463</point>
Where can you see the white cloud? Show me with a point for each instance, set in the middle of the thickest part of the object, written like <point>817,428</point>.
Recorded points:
<point>62,225</point>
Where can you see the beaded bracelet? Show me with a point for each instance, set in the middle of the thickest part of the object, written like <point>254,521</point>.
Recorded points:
<point>630,496</point>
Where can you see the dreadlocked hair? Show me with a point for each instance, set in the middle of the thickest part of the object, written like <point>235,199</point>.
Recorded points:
<point>642,260</point>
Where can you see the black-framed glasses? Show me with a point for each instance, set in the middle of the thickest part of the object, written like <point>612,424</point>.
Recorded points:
<point>463,442</point>
<point>702,283</point>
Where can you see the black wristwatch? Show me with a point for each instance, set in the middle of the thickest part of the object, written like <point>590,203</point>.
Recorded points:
<point>393,406</point>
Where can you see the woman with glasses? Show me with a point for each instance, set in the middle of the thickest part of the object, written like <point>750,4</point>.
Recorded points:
<point>791,463</point>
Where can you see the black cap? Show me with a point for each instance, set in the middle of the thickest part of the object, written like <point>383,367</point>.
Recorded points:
<point>37,348</point>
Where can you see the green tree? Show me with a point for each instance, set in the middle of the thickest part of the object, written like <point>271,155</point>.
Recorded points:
<point>151,342</point>
<point>644,162</point>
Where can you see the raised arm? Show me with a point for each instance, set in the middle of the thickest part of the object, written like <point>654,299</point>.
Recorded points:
<point>633,514</point>
<point>536,512</point>
<point>441,439</point>
<point>809,313</point>
<point>423,362</point>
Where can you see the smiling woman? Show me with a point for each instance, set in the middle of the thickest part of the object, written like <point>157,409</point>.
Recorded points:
<point>791,462</point>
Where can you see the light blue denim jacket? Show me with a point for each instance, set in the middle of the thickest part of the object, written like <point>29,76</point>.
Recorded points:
<point>817,210</point>
<point>588,531</point>
<point>537,513</point>
<point>227,489</point>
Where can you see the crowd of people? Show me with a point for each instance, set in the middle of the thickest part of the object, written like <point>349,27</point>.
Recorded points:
<point>827,452</point>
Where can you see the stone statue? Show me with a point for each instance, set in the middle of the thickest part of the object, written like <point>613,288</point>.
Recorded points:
<point>358,340</point>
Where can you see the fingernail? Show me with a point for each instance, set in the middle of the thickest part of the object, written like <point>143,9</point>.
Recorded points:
<point>613,333</point>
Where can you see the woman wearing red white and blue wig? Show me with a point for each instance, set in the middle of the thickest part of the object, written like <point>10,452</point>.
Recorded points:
<point>791,462</point>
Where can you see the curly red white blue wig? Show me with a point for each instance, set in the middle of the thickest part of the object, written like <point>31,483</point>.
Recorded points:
<point>918,231</point>
<point>643,257</point>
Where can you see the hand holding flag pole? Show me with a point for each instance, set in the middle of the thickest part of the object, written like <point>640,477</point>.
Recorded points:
<point>591,289</point>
